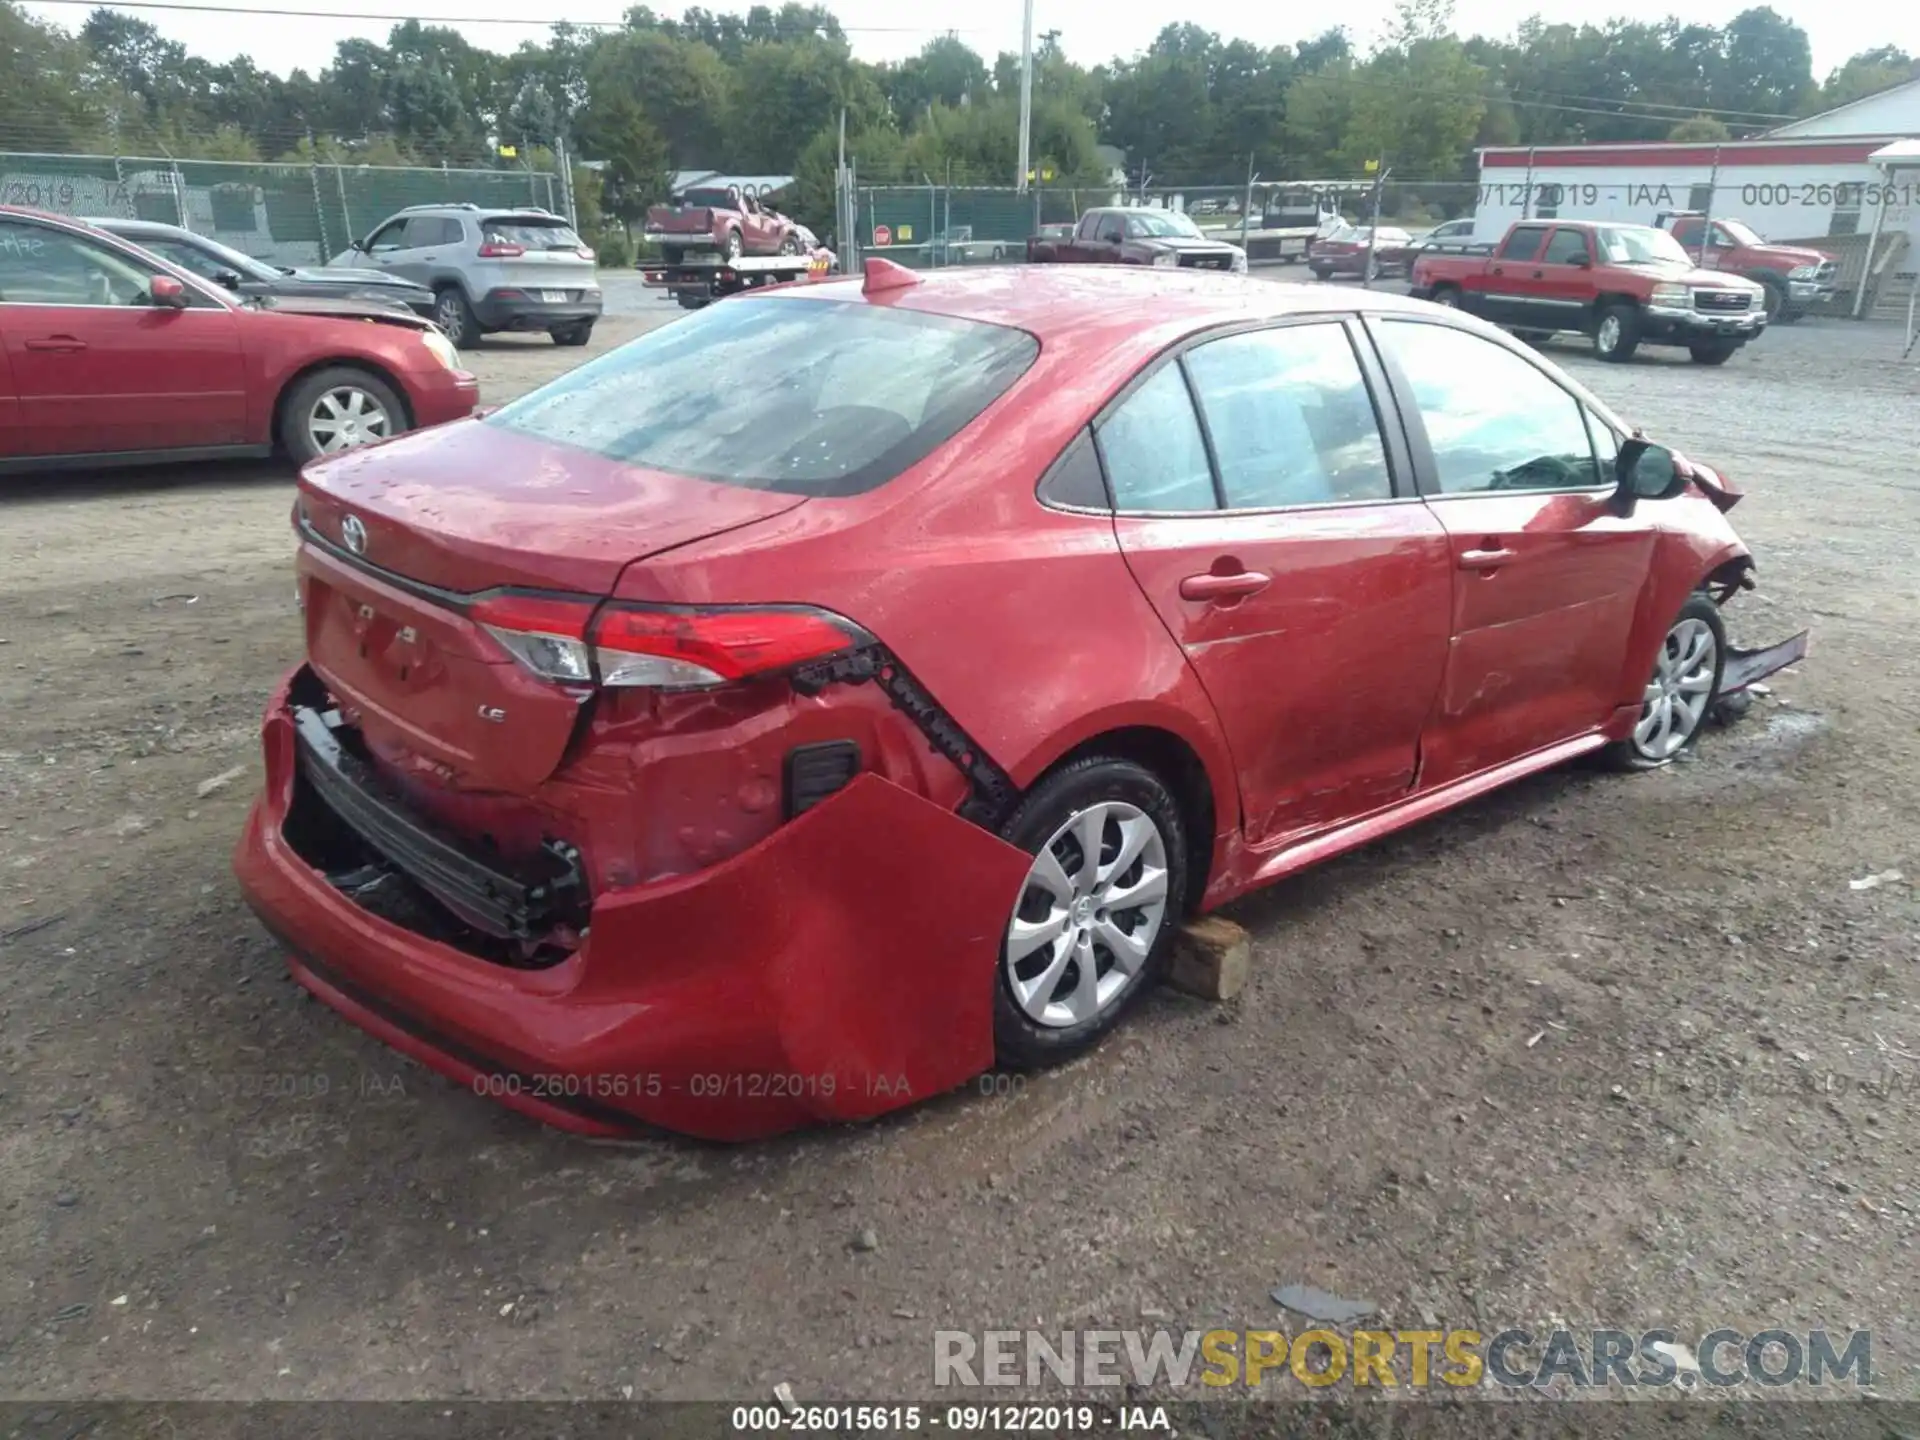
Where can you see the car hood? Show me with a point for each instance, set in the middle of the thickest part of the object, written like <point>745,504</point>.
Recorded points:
<point>473,505</point>
<point>1789,254</point>
<point>353,275</point>
<point>343,307</point>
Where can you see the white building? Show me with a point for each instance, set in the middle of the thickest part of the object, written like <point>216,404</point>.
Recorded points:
<point>1851,171</point>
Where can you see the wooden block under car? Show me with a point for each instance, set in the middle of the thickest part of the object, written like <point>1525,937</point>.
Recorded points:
<point>1212,958</point>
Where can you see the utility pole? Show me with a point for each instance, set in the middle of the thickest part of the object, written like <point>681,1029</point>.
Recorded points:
<point>1026,99</point>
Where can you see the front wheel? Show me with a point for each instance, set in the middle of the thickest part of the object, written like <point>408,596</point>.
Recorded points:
<point>790,245</point>
<point>1447,295</point>
<point>1686,675</point>
<point>1093,926</point>
<point>1617,335</point>
<point>338,409</point>
<point>1711,354</point>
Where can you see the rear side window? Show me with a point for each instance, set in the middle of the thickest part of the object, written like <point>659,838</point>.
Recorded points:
<point>531,233</point>
<point>1155,457</point>
<point>804,397</point>
<point>1291,420</point>
<point>1522,242</point>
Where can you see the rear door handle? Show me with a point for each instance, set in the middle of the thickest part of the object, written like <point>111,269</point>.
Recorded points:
<point>1484,559</point>
<point>1224,587</point>
<point>58,342</point>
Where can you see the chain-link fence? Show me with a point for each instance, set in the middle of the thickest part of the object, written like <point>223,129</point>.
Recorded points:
<point>1870,233</point>
<point>285,214</point>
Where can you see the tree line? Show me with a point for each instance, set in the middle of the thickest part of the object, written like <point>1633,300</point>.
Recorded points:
<point>763,93</point>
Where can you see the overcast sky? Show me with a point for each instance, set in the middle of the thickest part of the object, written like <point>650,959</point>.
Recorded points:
<point>1091,30</point>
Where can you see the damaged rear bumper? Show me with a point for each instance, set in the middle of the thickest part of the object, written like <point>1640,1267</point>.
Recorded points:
<point>798,982</point>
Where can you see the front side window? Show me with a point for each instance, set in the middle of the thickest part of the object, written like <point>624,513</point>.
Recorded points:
<point>1111,228</point>
<point>1568,247</point>
<point>805,397</point>
<point>387,237</point>
<point>1291,419</point>
<point>1493,420</point>
<point>39,266</point>
<point>187,257</point>
<point>1153,451</point>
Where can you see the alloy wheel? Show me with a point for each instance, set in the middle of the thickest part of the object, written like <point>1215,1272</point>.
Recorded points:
<point>346,417</point>
<point>1094,902</point>
<point>450,316</point>
<point>1608,340</point>
<point>1680,691</point>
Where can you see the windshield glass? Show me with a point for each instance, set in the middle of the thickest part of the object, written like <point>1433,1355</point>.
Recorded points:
<point>1640,245</point>
<point>804,397</point>
<point>1161,223</point>
<point>205,258</point>
<point>531,233</point>
<point>1739,233</point>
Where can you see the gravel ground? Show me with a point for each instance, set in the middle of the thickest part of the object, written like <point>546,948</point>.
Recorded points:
<point>216,1189</point>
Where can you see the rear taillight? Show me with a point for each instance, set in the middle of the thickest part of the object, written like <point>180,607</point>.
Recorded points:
<point>501,250</point>
<point>577,641</point>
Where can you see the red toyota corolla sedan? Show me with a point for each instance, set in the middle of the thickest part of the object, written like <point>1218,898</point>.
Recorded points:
<point>112,356</point>
<point>802,708</point>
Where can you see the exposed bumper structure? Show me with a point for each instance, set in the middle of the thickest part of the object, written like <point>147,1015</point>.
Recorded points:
<point>1744,667</point>
<point>797,982</point>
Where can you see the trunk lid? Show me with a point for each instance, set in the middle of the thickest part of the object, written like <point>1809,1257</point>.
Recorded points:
<point>473,506</point>
<point>465,508</point>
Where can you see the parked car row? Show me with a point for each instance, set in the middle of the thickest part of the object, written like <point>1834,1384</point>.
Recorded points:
<point>112,353</point>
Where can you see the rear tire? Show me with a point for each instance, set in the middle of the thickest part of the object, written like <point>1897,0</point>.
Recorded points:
<point>573,334</point>
<point>1788,317</point>
<point>1046,1008</point>
<point>1776,301</point>
<point>1447,295</point>
<point>1711,354</point>
<point>1685,680</point>
<point>455,317</point>
<point>732,246</point>
<point>338,409</point>
<point>1616,335</point>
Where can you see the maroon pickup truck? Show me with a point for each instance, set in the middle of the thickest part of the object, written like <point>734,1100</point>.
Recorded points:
<point>723,220</point>
<point>1624,285</point>
<point>1137,237</point>
<point>1794,278</point>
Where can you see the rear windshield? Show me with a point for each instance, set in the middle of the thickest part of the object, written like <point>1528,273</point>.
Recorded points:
<point>804,397</point>
<point>531,233</point>
<point>709,199</point>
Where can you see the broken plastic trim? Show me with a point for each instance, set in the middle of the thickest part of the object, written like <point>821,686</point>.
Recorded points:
<point>993,791</point>
<point>1743,667</point>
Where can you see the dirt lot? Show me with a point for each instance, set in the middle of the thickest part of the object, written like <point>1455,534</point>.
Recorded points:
<point>1714,1125</point>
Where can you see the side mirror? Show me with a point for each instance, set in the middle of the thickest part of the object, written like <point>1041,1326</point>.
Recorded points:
<point>167,292</point>
<point>1645,471</point>
<point>229,278</point>
<point>1583,262</point>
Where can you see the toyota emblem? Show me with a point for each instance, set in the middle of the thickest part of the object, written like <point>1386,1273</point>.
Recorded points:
<point>354,534</point>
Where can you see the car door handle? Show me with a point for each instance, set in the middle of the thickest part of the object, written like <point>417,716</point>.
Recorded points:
<point>1491,559</point>
<point>1499,270</point>
<point>1538,274</point>
<point>1224,587</point>
<point>58,342</point>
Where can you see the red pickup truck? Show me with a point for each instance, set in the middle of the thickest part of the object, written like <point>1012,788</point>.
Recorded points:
<point>720,219</point>
<point>1624,285</point>
<point>1794,278</point>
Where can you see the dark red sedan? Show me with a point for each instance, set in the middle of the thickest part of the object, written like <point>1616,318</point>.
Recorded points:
<point>1367,251</point>
<point>819,700</point>
<point>112,356</point>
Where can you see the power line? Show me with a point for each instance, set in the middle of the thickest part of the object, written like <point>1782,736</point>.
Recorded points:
<point>447,19</point>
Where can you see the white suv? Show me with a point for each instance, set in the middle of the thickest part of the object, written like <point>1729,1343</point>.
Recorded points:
<point>489,269</point>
